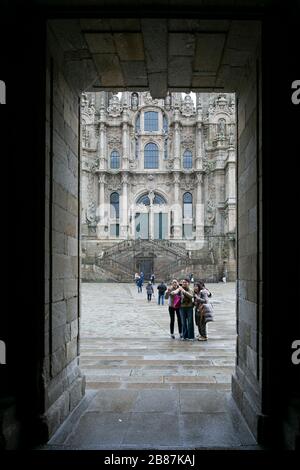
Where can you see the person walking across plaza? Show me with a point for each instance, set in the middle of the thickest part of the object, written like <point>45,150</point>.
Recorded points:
<point>150,291</point>
<point>139,284</point>
<point>186,310</point>
<point>161,293</point>
<point>174,307</point>
<point>152,279</point>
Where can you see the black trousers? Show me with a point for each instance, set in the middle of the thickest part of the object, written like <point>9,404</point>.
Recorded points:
<point>149,296</point>
<point>172,311</point>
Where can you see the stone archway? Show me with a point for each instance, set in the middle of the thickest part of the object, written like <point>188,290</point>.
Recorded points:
<point>72,68</point>
<point>64,353</point>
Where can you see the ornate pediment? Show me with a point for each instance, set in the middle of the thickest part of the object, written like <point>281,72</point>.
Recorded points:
<point>223,103</point>
<point>115,108</point>
<point>187,108</point>
<point>148,100</point>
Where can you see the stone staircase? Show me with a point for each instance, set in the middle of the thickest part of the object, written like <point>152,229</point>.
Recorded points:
<point>134,348</point>
<point>146,390</point>
<point>171,259</point>
<point>157,363</point>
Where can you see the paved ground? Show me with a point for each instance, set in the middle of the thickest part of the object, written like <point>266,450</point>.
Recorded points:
<point>146,390</point>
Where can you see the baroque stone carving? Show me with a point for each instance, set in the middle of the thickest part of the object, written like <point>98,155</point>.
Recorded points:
<point>187,108</point>
<point>148,99</point>
<point>91,218</point>
<point>187,140</point>
<point>114,183</point>
<point>221,104</point>
<point>87,109</point>
<point>114,142</point>
<point>115,108</point>
<point>210,211</point>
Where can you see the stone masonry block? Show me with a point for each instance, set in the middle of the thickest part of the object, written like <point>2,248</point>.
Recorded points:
<point>59,314</point>
<point>76,392</point>
<point>72,205</point>
<point>71,350</point>
<point>74,329</point>
<point>72,246</point>
<point>58,412</point>
<point>72,309</point>
<point>70,288</point>
<point>58,359</point>
<point>58,242</point>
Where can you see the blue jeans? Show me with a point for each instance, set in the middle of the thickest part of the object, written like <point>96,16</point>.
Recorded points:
<point>187,321</point>
<point>162,299</point>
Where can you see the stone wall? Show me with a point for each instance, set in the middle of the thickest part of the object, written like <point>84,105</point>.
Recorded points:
<point>63,383</point>
<point>247,382</point>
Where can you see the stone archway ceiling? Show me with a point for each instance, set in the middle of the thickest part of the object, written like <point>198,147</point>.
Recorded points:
<point>156,54</point>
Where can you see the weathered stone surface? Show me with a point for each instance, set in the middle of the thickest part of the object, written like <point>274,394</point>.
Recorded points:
<point>72,309</point>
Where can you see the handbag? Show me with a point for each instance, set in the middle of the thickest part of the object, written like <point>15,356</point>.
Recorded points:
<point>177,301</point>
<point>207,312</point>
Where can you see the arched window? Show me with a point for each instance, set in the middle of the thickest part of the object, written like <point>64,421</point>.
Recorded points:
<point>114,205</point>
<point>151,121</point>
<point>187,226</point>
<point>159,199</point>
<point>114,160</point>
<point>187,206</point>
<point>151,156</point>
<point>144,199</point>
<point>187,160</point>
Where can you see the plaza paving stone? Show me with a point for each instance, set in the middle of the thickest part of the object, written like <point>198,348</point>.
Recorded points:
<point>145,389</point>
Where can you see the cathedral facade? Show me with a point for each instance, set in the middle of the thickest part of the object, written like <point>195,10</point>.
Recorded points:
<point>158,189</point>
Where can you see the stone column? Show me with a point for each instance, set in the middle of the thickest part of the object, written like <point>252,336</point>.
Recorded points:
<point>125,140</point>
<point>230,179</point>
<point>102,141</point>
<point>199,210</point>
<point>151,216</point>
<point>198,163</point>
<point>101,233</point>
<point>177,160</point>
<point>124,207</point>
<point>177,209</point>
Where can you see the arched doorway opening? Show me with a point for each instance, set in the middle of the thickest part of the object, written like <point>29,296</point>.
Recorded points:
<point>151,217</point>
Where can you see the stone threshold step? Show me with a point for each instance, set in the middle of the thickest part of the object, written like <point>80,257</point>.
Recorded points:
<point>159,379</point>
<point>169,386</point>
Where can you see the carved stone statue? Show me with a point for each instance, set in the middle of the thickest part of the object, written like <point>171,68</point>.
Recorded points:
<point>91,217</point>
<point>221,127</point>
<point>210,211</point>
<point>134,101</point>
<point>168,102</point>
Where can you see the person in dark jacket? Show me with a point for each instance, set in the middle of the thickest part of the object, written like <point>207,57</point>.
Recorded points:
<point>161,292</point>
<point>150,291</point>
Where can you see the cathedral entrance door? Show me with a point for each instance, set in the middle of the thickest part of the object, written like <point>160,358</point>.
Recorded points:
<point>142,225</point>
<point>145,266</point>
<point>160,226</point>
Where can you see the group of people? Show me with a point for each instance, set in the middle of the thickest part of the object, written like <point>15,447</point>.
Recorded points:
<point>185,302</point>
